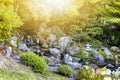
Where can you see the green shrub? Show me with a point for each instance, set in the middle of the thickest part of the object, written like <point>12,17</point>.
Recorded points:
<point>88,74</point>
<point>37,63</point>
<point>66,70</point>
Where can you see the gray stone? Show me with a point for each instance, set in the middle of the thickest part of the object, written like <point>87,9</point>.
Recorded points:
<point>23,47</point>
<point>73,50</point>
<point>14,41</point>
<point>68,61</point>
<point>75,65</point>
<point>54,69</point>
<point>100,59</point>
<point>76,59</point>
<point>115,48</point>
<point>108,53</point>
<point>49,61</point>
<point>110,66</point>
<point>67,58</point>
<point>8,51</point>
<point>56,61</point>
<point>95,54</point>
<point>55,52</point>
<point>64,42</point>
<point>16,58</point>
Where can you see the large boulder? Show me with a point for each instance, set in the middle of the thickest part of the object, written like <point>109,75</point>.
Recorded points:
<point>64,42</point>
<point>73,50</point>
<point>55,52</point>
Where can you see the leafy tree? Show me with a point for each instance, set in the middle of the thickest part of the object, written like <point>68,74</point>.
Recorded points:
<point>9,20</point>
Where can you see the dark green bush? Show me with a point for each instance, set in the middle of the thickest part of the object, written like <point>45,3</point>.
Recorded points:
<point>37,63</point>
<point>66,70</point>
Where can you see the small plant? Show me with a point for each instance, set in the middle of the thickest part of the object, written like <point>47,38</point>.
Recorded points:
<point>102,52</point>
<point>66,70</point>
<point>37,63</point>
<point>84,57</point>
<point>88,74</point>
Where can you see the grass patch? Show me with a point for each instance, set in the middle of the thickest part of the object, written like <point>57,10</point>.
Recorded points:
<point>14,75</point>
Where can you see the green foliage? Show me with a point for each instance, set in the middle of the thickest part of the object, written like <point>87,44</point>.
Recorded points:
<point>110,21</point>
<point>66,70</point>
<point>37,63</point>
<point>85,57</point>
<point>85,34</point>
<point>9,20</point>
<point>102,52</point>
<point>88,75</point>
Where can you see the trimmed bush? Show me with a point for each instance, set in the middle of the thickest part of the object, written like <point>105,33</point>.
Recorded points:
<point>37,63</point>
<point>66,70</point>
